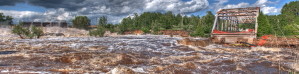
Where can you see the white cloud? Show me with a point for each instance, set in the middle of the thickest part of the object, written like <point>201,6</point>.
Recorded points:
<point>115,10</point>
<point>240,5</point>
<point>18,14</point>
<point>270,10</point>
<point>259,3</point>
<point>176,6</point>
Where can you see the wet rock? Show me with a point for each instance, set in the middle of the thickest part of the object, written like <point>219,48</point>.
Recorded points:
<point>194,42</point>
<point>121,70</point>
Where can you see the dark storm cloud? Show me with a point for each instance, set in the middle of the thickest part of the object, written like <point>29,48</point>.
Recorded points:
<point>68,4</point>
<point>9,2</point>
<point>114,9</point>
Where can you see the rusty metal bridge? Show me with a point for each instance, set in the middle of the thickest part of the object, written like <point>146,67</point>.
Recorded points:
<point>233,25</point>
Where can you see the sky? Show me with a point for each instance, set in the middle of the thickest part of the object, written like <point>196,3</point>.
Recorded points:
<point>116,10</point>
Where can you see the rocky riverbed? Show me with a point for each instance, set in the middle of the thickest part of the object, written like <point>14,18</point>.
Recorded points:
<point>139,54</point>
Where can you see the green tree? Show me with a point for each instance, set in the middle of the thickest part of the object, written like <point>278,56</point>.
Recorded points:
<point>36,32</point>
<point>103,21</point>
<point>264,27</point>
<point>81,22</point>
<point>31,32</point>
<point>205,25</point>
<point>291,29</point>
<point>99,32</point>
<point>21,32</point>
<point>4,18</point>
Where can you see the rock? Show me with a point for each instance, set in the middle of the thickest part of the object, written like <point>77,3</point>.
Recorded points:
<point>194,42</point>
<point>109,34</point>
<point>121,70</point>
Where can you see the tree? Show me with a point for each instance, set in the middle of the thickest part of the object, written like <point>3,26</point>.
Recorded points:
<point>103,21</point>
<point>37,32</point>
<point>4,18</point>
<point>291,29</point>
<point>21,32</point>
<point>99,32</point>
<point>264,27</point>
<point>32,32</point>
<point>81,22</point>
<point>205,25</point>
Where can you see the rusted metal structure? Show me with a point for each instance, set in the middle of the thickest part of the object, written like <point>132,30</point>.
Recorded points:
<point>235,25</point>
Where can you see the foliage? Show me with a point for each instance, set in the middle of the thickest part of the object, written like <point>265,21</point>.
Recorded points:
<point>264,27</point>
<point>32,32</point>
<point>207,23</point>
<point>99,32</point>
<point>81,22</point>
<point>21,32</point>
<point>285,23</point>
<point>38,32</point>
<point>4,18</point>
<point>292,29</point>
<point>291,9</point>
<point>153,22</point>
<point>103,21</point>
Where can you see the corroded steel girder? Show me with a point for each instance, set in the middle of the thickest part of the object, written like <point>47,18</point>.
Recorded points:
<point>232,25</point>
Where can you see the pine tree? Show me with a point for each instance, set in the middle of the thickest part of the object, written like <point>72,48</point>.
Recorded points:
<point>264,27</point>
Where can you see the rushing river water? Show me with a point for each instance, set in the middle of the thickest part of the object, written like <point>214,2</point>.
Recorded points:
<point>142,54</point>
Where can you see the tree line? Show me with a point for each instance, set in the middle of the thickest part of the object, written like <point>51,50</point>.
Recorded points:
<point>284,24</point>
<point>153,22</point>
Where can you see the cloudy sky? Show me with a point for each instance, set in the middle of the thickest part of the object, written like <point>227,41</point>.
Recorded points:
<point>115,10</point>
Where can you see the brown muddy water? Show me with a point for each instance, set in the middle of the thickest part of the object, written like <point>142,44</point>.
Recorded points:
<point>139,54</point>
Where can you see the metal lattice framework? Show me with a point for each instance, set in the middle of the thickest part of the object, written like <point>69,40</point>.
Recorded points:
<point>236,22</point>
